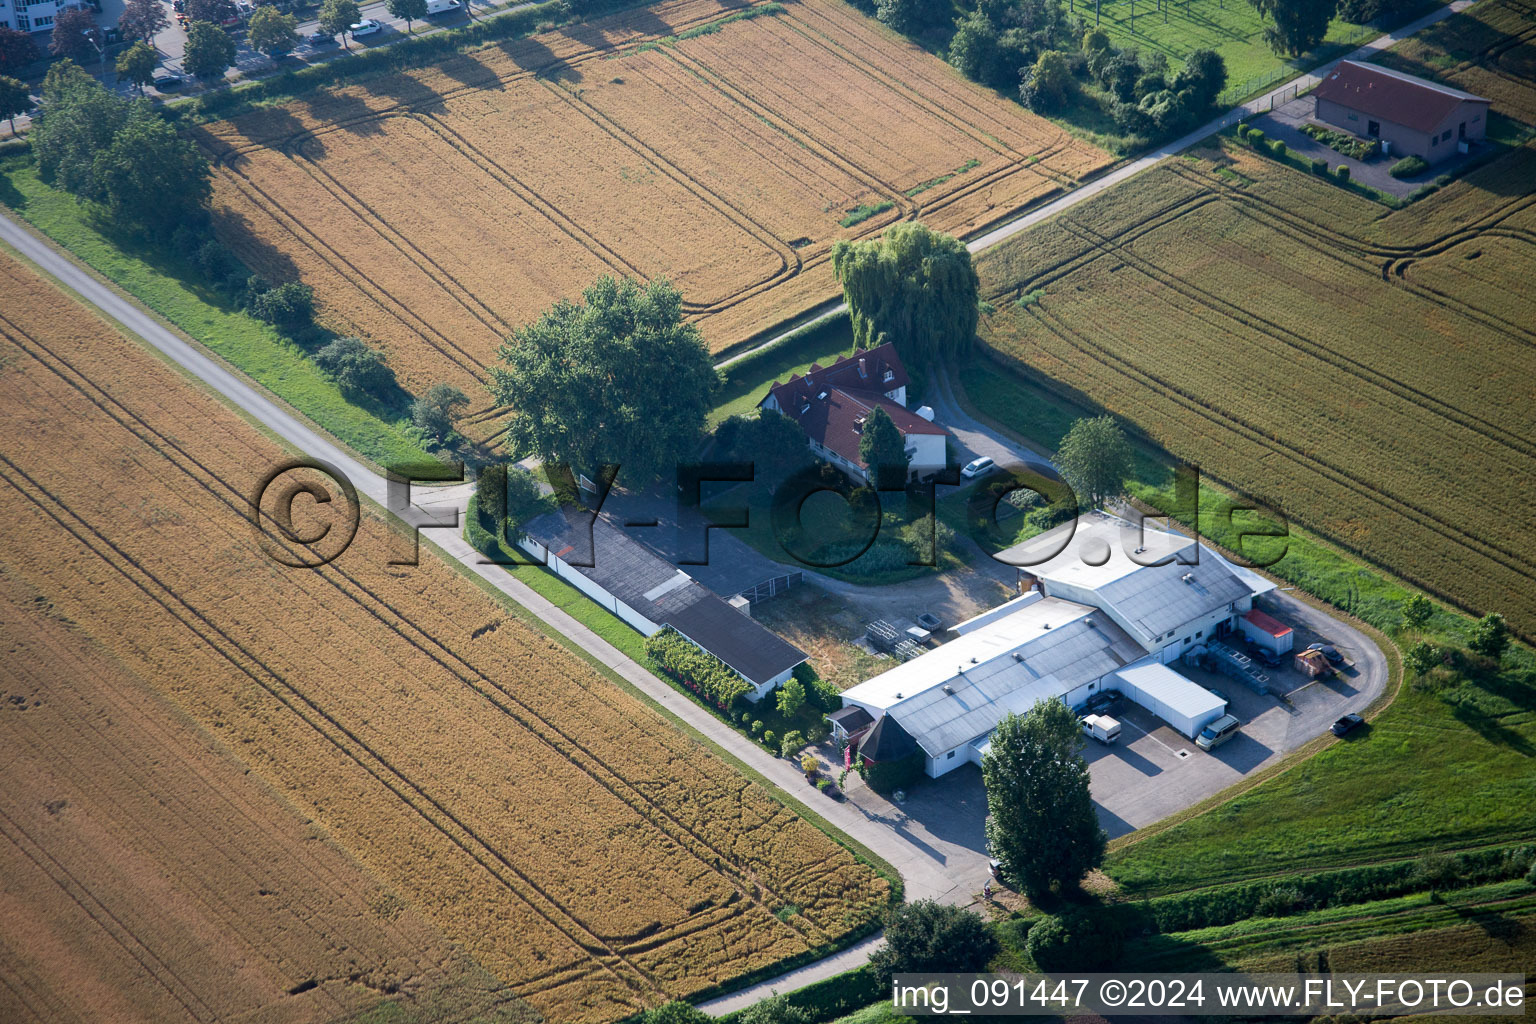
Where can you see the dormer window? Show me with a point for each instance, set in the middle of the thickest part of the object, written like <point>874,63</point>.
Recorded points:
<point>890,375</point>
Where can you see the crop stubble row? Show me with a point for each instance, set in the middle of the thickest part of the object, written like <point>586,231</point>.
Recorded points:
<point>1359,371</point>
<point>434,210</point>
<point>579,849</point>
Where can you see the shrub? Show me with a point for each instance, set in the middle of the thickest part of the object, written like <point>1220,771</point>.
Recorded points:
<point>1277,147</point>
<point>218,265</point>
<point>931,936</point>
<point>1279,901</point>
<point>757,727</point>
<point>1408,166</point>
<point>699,671</point>
<point>770,739</point>
<point>1319,165</point>
<point>824,784</point>
<point>1342,172</point>
<point>745,718</point>
<point>357,369</point>
<point>792,742</point>
<point>1242,131</point>
<point>288,307</point>
<point>677,1012</point>
<point>1530,876</point>
<point>1076,940</point>
<point>776,1009</point>
<point>1255,137</point>
<point>816,733</point>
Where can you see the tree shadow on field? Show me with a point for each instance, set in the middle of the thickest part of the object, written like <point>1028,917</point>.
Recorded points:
<point>471,72</point>
<point>234,230</point>
<point>348,112</point>
<point>406,90</point>
<point>534,55</point>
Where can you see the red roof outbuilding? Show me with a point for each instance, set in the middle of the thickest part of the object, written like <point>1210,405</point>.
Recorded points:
<point>1393,96</point>
<point>1269,624</point>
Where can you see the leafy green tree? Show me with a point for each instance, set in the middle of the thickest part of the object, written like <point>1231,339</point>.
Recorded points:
<point>78,120</point>
<point>410,10</point>
<point>143,19</point>
<point>931,936</point>
<point>437,411</point>
<point>912,17</point>
<point>1417,611</point>
<point>76,36</point>
<point>1203,76</point>
<point>210,52</point>
<point>149,176</point>
<point>617,378</point>
<point>771,441</point>
<point>973,45</point>
<point>882,449</point>
<point>791,697</point>
<point>357,369</point>
<point>1095,40</point>
<point>509,496</point>
<point>271,31</point>
<point>1490,636</point>
<point>289,307</point>
<point>776,1009</point>
<point>137,65</point>
<point>1422,657</point>
<point>1299,25</point>
<point>336,16</point>
<point>1095,458</point>
<point>15,98</point>
<point>1041,825</point>
<point>912,286</point>
<point>16,50</point>
<point>1049,84</point>
<point>677,1012</point>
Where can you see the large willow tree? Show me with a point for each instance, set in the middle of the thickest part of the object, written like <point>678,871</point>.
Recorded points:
<point>911,286</point>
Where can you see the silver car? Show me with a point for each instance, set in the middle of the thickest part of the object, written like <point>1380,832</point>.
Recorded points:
<point>1218,732</point>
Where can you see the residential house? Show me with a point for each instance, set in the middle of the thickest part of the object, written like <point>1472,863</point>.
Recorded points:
<point>832,402</point>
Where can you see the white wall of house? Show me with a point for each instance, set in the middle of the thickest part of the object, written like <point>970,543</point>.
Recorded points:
<point>1192,634</point>
<point>927,453</point>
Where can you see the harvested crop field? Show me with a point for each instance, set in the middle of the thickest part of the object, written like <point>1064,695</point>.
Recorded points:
<point>238,789</point>
<point>1371,373</point>
<point>719,144</point>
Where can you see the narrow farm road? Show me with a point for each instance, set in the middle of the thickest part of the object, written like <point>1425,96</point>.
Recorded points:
<point>1085,192</point>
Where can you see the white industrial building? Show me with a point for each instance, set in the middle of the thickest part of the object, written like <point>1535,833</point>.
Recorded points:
<point>1108,605</point>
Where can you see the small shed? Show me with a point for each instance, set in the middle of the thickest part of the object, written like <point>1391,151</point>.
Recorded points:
<point>1313,664</point>
<point>1183,704</point>
<point>1268,632</point>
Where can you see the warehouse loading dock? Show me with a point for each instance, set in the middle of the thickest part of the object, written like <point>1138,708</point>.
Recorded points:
<point>1184,705</point>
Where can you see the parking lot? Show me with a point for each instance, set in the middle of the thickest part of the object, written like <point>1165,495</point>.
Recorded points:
<point>1154,771</point>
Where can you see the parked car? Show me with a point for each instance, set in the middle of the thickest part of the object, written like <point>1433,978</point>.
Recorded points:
<point>168,83</point>
<point>1329,651</point>
<point>1347,723</point>
<point>320,39</point>
<point>1218,732</point>
<point>366,27</point>
<point>978,467</point>
<point>930,622</point>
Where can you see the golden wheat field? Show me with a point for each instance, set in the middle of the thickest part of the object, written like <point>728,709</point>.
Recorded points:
<point>436,210</point>
<point>236,790</point>
<point>1370,372</point>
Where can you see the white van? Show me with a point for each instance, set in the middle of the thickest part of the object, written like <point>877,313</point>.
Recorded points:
<point>1101,727</point>
<point>443,6</point>
<point>1218,732</point>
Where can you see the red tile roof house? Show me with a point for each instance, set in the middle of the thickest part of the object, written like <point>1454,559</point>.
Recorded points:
<point>830,403</point>
<point>1414,117</point>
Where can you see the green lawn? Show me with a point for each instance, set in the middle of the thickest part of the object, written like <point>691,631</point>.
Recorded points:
<point>269,359</point>
<point>1230,27</point>
<point>1447,767</point>
<point>748,379</point>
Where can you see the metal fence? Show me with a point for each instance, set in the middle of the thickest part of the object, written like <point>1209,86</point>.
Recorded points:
<point>769,587</point>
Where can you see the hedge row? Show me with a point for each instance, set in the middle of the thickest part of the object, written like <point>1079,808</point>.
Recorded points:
<point>1276,898</point>
<point>703,673</point>
<point>833,997</point>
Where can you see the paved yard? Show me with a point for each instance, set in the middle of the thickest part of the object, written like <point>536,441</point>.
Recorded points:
<point>1153,771</point>
<point>1284,123</point>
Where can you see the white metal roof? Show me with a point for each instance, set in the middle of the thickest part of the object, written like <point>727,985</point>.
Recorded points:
<point>1158,680</point>
<point>1153,580</point>
<point>952,695</point>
